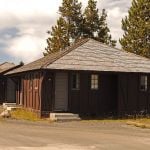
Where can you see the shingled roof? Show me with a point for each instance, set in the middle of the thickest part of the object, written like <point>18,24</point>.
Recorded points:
<point>6,66</point>
<point>90,55</point>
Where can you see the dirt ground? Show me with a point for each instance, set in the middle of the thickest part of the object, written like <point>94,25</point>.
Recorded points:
<point>83,135</point>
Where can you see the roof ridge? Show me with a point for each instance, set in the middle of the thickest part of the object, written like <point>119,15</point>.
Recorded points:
<point>67,50</point>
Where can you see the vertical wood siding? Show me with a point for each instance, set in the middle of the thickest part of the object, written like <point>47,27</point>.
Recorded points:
<point>131,99</point>
<point>2,89</point>
<point>29,88</point>
<point>118,92</point>
<point>94,102</point>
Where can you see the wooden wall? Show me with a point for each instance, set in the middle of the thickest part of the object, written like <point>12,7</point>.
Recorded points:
<point>7,90</point>
<point>10,91</point>
<point>35,91</point>
<point>131,99</point>
<point>94,102</point>
<point>117,93</point>
<point>2,89</point>
<point>28,91</point>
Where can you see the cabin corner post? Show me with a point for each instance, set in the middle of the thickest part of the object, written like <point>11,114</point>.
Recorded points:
<point>53,92</point>
<point>42,75</point>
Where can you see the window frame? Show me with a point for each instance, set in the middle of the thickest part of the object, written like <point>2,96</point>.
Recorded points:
<point>145,85</point>
<point>77,81</point>
<point>94,82</point>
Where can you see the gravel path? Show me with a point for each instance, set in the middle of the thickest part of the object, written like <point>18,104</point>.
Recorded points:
<point>84,135</point>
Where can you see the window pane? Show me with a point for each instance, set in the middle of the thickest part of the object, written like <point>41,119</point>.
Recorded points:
<point>92,77</point>
<point>143,83</point>
<point>75,81</point>
<point>96,86</point>
<point>96,77</point>
<point>94,81</point>
<point>92,87</point>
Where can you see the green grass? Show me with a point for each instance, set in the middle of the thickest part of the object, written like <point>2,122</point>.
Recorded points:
<point>22,114</point>
<point>142,123</point>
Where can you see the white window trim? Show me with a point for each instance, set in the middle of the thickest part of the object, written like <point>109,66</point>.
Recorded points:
<point>145,85</point>
<point>77,81</point>
<point>94,82</point>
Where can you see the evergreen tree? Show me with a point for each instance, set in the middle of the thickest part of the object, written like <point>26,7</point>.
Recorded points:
<point>73,25</point>
<point>68,28</point>
<point>72,13</point>
<point>21,63</point>
<point>103,31</point>
<point>58,39</point>
<point>136,28</point>
<point>95,26</point>
<point>91,19</point>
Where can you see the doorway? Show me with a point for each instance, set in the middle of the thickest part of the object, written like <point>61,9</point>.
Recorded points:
<point>61,91</point>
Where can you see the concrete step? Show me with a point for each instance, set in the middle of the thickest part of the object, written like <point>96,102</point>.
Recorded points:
<point>64,117</point>
<point>10,106</point>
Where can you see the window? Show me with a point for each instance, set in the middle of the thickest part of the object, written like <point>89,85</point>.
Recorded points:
<point>75,81</point>
<point>94,82</point>
<point>143,83</point>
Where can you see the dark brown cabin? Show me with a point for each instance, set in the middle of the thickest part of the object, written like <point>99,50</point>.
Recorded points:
<point>7,85</point>
<point>88,78</point>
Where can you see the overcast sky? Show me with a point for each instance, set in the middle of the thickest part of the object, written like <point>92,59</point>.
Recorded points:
<point>23,25</point>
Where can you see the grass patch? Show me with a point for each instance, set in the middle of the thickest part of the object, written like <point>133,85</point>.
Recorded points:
<point>100,119</point>
<point>1,109</point>
<point>142,123</point>
<point>22,114</point>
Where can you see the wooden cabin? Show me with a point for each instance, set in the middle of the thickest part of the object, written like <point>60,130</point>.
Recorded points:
<point>7,85</point>
<point>88,78</point>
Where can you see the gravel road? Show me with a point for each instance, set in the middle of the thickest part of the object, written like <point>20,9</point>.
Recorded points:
<point>83,135</point>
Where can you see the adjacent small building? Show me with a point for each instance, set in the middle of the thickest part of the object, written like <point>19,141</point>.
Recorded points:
<point>88,78</point>
<point>7,85</point>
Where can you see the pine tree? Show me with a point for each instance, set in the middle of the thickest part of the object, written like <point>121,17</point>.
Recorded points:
<point>68,28</point>
<point>72,13</point>
<point>91,19</point>
<point>58,39</point>
<point>136,28</point>
<point>103,31</point>
<point>95,26</point>
<point>73,25</point>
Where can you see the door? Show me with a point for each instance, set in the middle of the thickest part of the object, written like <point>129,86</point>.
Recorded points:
<point>11,91</point>
<point>61,91</point>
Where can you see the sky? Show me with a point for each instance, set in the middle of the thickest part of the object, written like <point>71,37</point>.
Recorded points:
<point>24,25</point>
